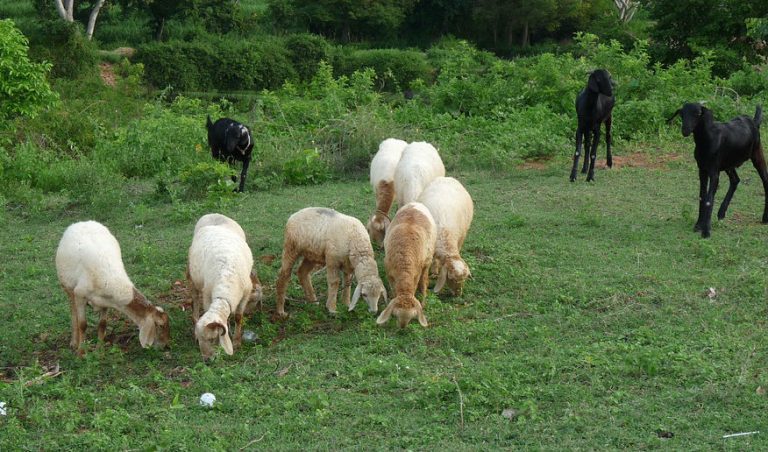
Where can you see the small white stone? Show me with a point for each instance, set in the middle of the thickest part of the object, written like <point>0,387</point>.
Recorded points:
<point>2,409</point>
<point>207,400</point>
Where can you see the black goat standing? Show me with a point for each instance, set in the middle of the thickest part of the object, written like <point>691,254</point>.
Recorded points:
<point>229,141</point>
<point>593,107</point>
<point>722,147</point>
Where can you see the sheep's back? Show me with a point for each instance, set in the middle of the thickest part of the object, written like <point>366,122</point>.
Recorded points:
<point>385,161</point>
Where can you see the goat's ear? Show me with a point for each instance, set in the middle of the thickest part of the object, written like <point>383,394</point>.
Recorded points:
<point>441,277</point>
<point>147,332</point>
<point>355,297</point>
<point>592,83</point>
<point>669,121</point>
<point>386,313</point>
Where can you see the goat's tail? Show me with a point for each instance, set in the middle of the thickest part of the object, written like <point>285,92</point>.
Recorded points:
<point>758,116</point>
<point>208,123</point>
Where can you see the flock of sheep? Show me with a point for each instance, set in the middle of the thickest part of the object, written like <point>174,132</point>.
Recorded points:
<point>425,236</point>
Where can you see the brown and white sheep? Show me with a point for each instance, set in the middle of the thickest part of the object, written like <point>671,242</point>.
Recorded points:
<point>90,268</point>
<point>383,182</point>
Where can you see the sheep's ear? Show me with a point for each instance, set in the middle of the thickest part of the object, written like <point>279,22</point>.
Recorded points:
<point>422,318</point>
<point>673,116</point>
<point>441,278</point>
<point>355,297</point>
<point>386,313</point>
<point>147,332</point>
<point>225,341</point>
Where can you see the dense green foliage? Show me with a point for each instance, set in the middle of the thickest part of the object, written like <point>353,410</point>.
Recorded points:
<point>24,89</point>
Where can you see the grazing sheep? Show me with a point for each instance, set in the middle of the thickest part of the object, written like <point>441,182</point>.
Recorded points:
<point>220,280</point>
<point>383,182</point>
<point>408,249</point>
<point>418,166</point>
<point>212,219</point>
<point>229,141</point>
<point>452,209</point>
<point>90,269</point>
<point>722,147</point>
<point>593,107</point>
<point>325,237</point>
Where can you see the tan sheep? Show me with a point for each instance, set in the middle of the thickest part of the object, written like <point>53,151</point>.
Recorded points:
<point>408,249</point>
<point>325,237</point>
<point>383,182</point>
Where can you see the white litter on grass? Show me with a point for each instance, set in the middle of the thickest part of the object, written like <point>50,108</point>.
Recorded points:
<point>249,336</point>
<point>732,435</point>
<point>711,293</point>
<point>2,409</point>
<point>207,400</point>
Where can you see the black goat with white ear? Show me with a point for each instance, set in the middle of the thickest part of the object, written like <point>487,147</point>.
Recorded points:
<point>230,141</point>
<point>593,107</point>
<point>722,146</point>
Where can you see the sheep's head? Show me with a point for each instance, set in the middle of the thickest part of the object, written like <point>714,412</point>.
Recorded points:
<point>371,289</point>
<point>405,308</point>
<point>209,332</point>
<point>600,82</point>
<point>377,226</point>
<point>454,272</point>
<point>155,329</point>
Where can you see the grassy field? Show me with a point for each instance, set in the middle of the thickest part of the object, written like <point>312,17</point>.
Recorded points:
<point>587,319</point>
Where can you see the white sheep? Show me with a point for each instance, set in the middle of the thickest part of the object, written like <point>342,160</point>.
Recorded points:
<point>90,268</point>
<point>418,166</point>
<point>451,207</point>
<point>383,182</point>
<point>217,219</point>
<point>219,274</point>
<point>408,249</point>
<point>325,237</point>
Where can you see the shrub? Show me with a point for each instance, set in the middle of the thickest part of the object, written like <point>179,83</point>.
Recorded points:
<point>24,89</point>
<point>66,46</point>
<point>305,51</point>
<point>306,169</point>
<point>395,69</point>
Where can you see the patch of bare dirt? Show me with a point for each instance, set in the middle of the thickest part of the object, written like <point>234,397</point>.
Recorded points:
<point>107,72</point>
<point>642,160</point>
<point>534,165</point>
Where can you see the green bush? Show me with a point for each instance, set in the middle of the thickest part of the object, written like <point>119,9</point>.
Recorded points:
<point>306,169</point>
<point>395,69</point>
<point>66,46</point>
<point>305,51</point>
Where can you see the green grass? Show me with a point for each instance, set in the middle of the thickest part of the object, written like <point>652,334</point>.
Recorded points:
<point>587,315</point>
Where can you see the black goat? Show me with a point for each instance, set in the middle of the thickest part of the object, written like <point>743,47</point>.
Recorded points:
<point>229,141</point>
<point>594,105</point>
<point>722,147</point>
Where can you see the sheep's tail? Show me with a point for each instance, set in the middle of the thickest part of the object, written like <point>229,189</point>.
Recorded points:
<point>758,116</point>
<point>208,123</point>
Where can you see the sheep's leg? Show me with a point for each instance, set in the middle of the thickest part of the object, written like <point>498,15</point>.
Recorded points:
<point>304,273</point>
<point>424,283</point>
<point>577,154</point>
<point>74,343</point>
<point>593,154</point>
<point>714,180</point>
<point>345,293</point>
<point>608,139</point>
<point>282,281</point>
<point>333,286</point>
<point>587,146</point>
<point>102,323</point>
<point>238,339</point>
<point>734,182</point>
<point>79,322</point>
<point>703,179</point>
<point>758,161</point>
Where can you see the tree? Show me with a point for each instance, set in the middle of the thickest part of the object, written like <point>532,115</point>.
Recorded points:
<point>24,90</point>
<point>66,10</point>
<point>627,9</point>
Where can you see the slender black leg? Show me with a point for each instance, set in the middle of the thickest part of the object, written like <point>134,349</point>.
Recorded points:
<point>577,154</point>
<point>759,163</point>
<point>703,179</point>
<point>734,182</point>
<point>608,139</point>
<point>593,154</point>
<point>714,180</point>
<point>587,147</point>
